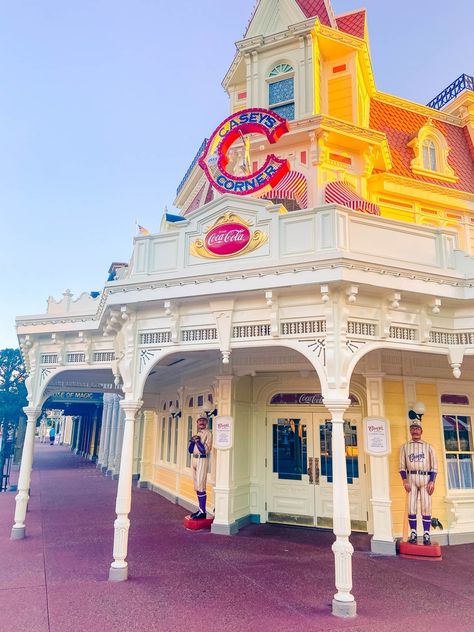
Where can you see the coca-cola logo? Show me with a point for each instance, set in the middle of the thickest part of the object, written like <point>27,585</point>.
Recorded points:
<point>227,239</point>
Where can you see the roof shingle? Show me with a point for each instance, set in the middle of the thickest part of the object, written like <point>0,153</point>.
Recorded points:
<point>401,125</point>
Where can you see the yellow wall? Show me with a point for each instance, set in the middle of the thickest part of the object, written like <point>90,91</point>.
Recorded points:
<point>340,97</point>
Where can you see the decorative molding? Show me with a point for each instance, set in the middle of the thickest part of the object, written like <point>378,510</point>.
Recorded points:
<point>318,347</point>
<point>146,355</point>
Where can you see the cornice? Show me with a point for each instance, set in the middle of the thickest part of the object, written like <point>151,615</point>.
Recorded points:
<point>261,42</point>
<point>422,187</point>
<point>424,110</point>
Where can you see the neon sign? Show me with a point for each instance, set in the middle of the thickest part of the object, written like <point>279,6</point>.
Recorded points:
<point>214,159</point>
<point>229,236</point>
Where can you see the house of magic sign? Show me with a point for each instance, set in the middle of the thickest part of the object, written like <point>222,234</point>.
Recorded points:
<point>214,159</point>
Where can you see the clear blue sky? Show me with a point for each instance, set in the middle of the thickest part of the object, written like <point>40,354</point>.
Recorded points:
<point>103,104</point>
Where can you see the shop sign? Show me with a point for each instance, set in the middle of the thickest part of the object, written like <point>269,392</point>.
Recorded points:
<point>229,236</point>
<point>376,436</point>
<point>304,399</point>
<point>75,396</point>
<point>223,430</point>
<point>214,160</point>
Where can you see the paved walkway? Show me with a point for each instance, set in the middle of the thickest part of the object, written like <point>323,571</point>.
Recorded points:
<point>266,578</point>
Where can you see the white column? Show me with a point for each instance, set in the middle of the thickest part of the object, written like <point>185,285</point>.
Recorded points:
<point>382,540</point>
<point>223,522</point>
<point>19,529</point>
<point>113,435</point>
<point>119,567</point>
<point>103,429</point>
<point>108,430</point>
<point>343,604</point>
<point>118,442</point>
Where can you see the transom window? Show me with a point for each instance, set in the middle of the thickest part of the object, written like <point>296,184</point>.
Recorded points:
<point>281,91</point>
<point>459,447</point>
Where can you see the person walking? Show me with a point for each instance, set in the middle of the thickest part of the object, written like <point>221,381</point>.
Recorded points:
<point>52,435</point>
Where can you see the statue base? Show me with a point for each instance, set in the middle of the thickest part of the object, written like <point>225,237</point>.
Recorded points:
<point>197,525</point>
<point>430,552</point>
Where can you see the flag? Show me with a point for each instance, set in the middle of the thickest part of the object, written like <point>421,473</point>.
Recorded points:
<point>142,230</point>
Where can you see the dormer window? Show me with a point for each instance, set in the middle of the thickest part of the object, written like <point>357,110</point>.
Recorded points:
<point>281,91</point>
<point>431,154</point>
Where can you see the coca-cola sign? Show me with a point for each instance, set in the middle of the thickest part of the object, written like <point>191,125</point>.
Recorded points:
<point>228,239</point>
<point>230,235</point>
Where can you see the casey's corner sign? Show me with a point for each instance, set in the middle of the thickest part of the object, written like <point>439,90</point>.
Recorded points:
<point>237,126</point>
<point>229,236</point>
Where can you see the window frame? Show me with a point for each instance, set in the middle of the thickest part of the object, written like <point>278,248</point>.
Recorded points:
<point>457,410</point>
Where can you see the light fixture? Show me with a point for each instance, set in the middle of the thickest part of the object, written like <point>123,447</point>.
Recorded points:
<point>174,411</point>
<point>209,410</point>
<point>417,411</point>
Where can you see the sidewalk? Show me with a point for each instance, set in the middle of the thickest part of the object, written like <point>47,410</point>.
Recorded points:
<point>266,577</point>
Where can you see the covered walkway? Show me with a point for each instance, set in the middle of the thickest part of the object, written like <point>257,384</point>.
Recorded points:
<point>266,577</point>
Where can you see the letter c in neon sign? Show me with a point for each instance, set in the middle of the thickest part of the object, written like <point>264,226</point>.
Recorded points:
<point>214,159</point>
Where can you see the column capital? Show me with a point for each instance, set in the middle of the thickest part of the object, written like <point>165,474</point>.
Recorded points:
<point>336,405</point>
<point>130,407</point>
<point>32,411</point>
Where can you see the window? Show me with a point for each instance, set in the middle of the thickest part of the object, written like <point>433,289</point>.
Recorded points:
<point>458,444</point>
<point>431,152</point>
<point>281,91</point>
<point>429,155</point>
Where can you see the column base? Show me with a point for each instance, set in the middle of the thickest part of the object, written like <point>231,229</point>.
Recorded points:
<point>18,533</point>
<point>118,574</point>
<point>344,609</point>
<point>382,547</point>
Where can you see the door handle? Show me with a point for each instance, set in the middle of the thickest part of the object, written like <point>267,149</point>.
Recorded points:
<point>313,470</point>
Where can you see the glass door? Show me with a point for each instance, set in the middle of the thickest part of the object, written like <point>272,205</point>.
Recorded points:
<point>290,470</point>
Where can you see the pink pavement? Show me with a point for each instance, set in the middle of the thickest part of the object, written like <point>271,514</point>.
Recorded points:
<point>267,577</point>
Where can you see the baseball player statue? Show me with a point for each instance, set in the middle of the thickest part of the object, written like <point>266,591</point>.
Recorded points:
<point>418,469</point>
<point>199,448</point>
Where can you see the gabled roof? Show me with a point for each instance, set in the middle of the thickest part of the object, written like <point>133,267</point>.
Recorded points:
<point>401,125</point>
<point>320,9</point>
<point>352,23</point>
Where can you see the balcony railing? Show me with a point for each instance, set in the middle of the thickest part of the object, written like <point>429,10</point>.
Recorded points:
<point>464,82</point>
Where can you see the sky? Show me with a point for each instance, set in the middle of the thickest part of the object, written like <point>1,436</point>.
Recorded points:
<point>104,103</point>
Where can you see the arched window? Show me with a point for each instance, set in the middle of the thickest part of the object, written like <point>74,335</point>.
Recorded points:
<point>431,151</point>
<point>429,155</point>
<point>281,91</point>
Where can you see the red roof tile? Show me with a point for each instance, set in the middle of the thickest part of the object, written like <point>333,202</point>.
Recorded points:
<point>352,23</point>
<point>315,8</point>
<point>401,125</point>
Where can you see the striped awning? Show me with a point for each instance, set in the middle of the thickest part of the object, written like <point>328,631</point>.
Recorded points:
<point>293,187</point>
<point>341,193</point>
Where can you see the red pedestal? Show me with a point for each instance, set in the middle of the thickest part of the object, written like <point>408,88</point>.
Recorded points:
<point>431,552</point>
<point>197,525</point>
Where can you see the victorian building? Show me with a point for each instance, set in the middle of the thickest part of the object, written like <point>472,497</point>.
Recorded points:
<point>305,311</point>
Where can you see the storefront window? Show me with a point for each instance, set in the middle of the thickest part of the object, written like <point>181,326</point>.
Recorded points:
<point>290,449</point>
<point>457,431</point>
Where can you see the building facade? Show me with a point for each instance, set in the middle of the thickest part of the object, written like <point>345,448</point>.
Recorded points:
<point>349,297</point>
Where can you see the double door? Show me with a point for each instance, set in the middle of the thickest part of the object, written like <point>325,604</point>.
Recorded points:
<point>299,469</point>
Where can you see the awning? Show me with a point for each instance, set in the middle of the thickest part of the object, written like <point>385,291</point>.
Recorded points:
<point>341,193</point>
<point>293,187</point>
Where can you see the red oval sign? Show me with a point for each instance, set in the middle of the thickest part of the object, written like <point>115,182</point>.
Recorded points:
<point>227,239</point>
